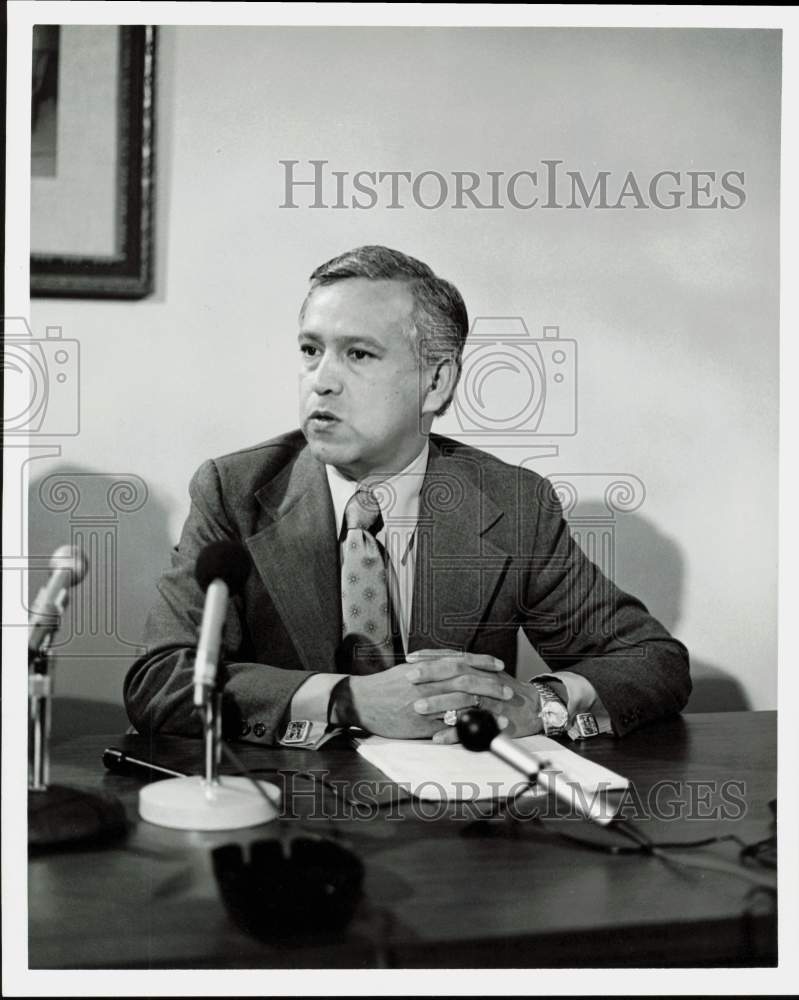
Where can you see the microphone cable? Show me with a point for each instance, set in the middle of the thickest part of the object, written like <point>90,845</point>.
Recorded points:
<point>643,845</point>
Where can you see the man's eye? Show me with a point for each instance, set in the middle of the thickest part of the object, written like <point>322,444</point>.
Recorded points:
<point>308,350</point>
<point>359,354</point>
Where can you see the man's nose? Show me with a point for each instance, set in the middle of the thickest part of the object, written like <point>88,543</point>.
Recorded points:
<point>327,376</point>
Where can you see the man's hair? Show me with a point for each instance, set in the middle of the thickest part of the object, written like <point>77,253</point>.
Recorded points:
<point>439,321</point>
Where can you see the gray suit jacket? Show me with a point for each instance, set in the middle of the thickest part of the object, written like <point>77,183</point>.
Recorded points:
<point>494,553</point>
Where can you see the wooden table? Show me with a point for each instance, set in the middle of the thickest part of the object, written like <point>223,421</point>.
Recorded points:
<point>440,891</point>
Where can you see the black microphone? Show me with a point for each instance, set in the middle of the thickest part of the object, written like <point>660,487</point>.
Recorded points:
<point>478,730</point>
<point>68,566</point>
<point>222,569</point>
<point>122,763</point>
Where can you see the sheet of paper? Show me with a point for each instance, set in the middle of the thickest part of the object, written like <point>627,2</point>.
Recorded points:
<point>433,772</point>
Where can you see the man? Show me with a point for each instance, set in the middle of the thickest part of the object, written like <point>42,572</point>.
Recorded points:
<point>394,567</point>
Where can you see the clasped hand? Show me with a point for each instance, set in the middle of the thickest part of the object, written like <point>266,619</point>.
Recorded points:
<point>408,701</point>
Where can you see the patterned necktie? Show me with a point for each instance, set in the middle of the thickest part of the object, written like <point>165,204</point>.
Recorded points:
<point>368,645</point>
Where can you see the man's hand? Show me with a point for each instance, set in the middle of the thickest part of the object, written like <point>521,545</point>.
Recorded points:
<point>516,709</point>
<point>389,703</point>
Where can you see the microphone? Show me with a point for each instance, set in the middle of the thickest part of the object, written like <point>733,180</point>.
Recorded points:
<point>222,569</point>
<point>58,815</point>
<point>122,763</point>
<point>213,802</point>
<point>69,566</point>
<point>478,730</point>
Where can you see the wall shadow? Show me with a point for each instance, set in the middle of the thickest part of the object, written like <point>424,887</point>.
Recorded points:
<point>121,527</point>
<point>650,565</point>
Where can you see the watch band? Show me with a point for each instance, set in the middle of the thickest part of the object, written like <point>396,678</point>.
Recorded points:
<point>553,713</point>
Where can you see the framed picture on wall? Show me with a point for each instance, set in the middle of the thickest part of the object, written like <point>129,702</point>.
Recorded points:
<point>92,158</point>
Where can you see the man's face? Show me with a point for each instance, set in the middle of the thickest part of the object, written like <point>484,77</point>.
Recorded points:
<point>359,377</point>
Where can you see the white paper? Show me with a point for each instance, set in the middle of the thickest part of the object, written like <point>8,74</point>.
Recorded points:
<point>433,772</point>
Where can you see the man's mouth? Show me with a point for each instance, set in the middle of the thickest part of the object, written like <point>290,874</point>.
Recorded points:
<point>324,416</point>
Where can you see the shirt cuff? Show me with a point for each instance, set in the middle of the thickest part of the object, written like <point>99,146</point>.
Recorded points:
<point>312,697</point>
<point>580,697</point>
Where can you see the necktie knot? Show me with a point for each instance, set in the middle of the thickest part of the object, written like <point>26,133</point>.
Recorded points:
<point>363,511</point>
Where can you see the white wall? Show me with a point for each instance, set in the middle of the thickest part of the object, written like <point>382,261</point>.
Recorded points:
<point>674,312</point>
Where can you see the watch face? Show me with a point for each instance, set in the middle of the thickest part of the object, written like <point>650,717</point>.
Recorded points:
<point>554,715</point>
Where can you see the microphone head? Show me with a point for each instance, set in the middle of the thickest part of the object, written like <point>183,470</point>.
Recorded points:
<point>226,561</point>
<point>70,557</point>
<point>476,729</point>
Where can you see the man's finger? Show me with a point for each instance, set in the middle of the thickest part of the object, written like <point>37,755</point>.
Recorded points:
<point>442,667</point>
<point>481,661</point>
<point>437,704</point>
<point>489,685</point>
<point>427,654</point>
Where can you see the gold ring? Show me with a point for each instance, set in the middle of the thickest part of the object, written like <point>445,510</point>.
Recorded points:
<point>450,717</point>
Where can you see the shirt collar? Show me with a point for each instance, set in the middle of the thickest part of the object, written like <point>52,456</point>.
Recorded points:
<point>398,495</point>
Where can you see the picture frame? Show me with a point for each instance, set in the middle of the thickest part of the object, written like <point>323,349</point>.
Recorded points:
<point>106,81</point>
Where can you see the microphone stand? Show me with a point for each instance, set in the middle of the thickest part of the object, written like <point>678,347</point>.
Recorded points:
<point>47,613</point>
<point>59,815</point>
<point>212,736</point>
<point>214,801</point>
<point>40,690</point>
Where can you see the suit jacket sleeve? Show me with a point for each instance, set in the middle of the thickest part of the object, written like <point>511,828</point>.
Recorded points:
<point>158,689</point>
<point>579,620</point>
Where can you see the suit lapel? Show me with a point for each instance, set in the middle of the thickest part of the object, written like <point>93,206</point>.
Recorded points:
<point>458,565</point>
<point>296,555</point>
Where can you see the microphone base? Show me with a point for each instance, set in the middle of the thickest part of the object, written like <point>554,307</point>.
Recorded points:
<point>59,816</point>
<point>192,803</point>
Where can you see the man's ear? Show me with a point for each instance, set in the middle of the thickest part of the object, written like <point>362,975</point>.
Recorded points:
<point>438,384</point>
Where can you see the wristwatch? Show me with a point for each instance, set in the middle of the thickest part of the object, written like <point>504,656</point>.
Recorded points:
<point>553,712</point>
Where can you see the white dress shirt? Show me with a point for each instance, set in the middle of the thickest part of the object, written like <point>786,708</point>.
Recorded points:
<point>398,498</point>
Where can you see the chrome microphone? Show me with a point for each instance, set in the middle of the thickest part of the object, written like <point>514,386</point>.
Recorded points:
<point>69,566</point>
<point>215,801</point>
<point>58,815</point>
<point>478,730</point>
<point>222,569</point>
